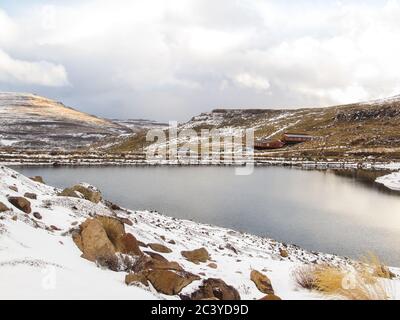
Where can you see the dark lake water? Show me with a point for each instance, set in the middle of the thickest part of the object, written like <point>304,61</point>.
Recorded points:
<point>340,212</point>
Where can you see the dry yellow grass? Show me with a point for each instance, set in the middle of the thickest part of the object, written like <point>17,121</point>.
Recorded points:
<point>362,282</point>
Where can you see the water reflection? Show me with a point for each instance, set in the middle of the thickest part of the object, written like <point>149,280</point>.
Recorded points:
<point>341,212</point>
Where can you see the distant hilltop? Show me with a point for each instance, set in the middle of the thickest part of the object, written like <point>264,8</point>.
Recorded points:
<point>29,121</point>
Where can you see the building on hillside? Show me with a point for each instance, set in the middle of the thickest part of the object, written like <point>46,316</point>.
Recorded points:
<point>294,138</point>
<point>268,144</point>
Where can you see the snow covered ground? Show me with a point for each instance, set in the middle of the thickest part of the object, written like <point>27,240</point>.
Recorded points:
<point>39,260</point>
<point>391,181</point>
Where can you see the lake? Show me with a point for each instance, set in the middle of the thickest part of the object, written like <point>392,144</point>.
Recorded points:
<point>340,212</point>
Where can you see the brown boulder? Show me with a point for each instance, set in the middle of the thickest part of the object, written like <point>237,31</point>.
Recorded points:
<point>214,289</point>
<point>37,215</point>
<point>271,297</point>
<point>37,179</point>
<point>79,191</point>
<point>114,228</point>
<point>140,277</point>
<point>283,253</point>
<point>76,237</point>
<point>262,282</point>
<point>149,263</point>
<point>170,282</point>
<point>126,221</point>
<point>3,207</point>
<point>13,188</point>
<point>212,265</point>
<point>156,256</point>
<point>159,248</point>
<point>196,256</point>
<point>164,265</point>
<point>128,244</point>
<point>95,242</point>
<point>142,244</point>
<point>29,195</point>
<point>21,203</point>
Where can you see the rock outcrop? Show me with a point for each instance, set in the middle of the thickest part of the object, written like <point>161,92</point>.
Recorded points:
<point>133,278</point>
<point>170,282</point>
<point>159,248</point>
<point>128,244</point>
<point>29,195</point>
<point>283,253</point>
<point>3,207</point>
<point>103,237</point>
<point>214,289</point>
<point>271,297</point>
<point>114,228</point>
<point>196,256</point>
<point>87,192</point>
<point>38,179</point>
<point>262,282</point>
<point>21,203</point>
<point>94,241</point>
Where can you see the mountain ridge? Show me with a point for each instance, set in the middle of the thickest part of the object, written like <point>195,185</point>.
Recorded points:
<point>31,121</point>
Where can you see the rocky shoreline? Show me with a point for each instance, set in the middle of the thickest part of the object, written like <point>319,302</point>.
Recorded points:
<point>125,254</point>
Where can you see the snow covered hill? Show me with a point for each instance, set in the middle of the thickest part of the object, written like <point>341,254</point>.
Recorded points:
<point>46,232</point>
<point>31,121</point>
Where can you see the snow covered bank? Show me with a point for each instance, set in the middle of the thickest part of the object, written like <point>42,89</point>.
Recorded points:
<point>40,260</point>
<point>391,181</point>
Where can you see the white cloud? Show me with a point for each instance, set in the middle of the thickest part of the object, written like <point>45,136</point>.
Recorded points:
<point>251,81</point>
<point>144,56</point>
<point>32,73</point>
<point>8,29</point>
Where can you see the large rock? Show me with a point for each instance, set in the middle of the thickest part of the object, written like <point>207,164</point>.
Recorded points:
<point>149,263</point>
<point>82,191</point>
<point>114,228</point>
<point>76,237</point>
<point>128,244</point>
<point>21,203</point>
<point>214,289</point>
<point>164,265</point>
<point>3,207</point>
<point>133,278</point>
<point>159,248</point>
<point>110,235</point>
<point>37,179</point>
<point>30,195</point>
<point>156,256</point>
<point>271,297</point>
<point>283,253</point>
<point>95,242</point>
<point>196,256</point>
<point>170,282</point>
<point>262,282</point>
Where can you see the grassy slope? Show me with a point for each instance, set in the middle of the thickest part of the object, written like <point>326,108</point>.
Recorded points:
<point>357,129</point>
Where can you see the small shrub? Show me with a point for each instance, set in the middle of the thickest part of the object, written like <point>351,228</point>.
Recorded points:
<point>111,262</point>
<point>305,277</point>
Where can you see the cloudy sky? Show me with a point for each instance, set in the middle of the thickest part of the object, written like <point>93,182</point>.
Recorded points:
<point>171,59</point>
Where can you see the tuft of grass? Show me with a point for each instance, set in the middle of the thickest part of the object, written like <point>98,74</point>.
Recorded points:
<point>356,283</point>
<point>304,276</point>
<point>373,265</point>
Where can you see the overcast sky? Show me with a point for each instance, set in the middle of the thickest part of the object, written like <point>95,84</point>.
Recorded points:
<point>172,59</point>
